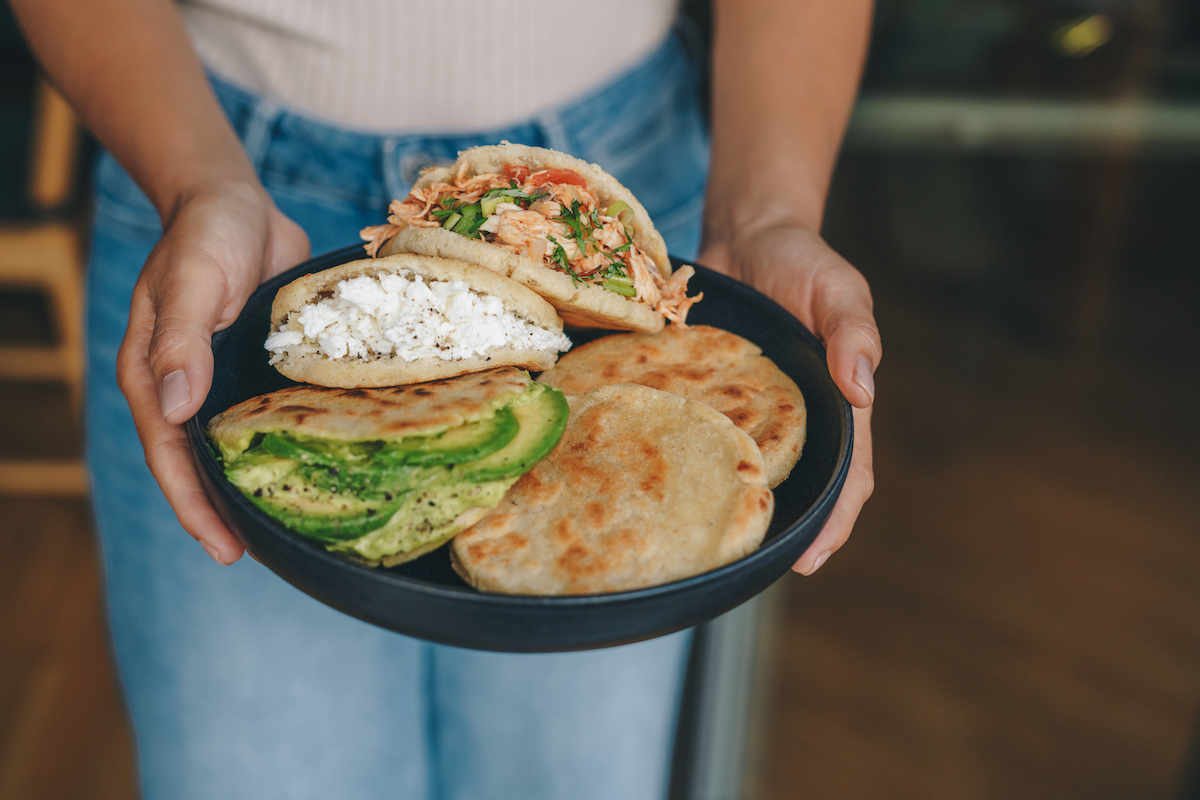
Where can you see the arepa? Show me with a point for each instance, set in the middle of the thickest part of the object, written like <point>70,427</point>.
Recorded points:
<point>382,475</point>
<point>585,244</point>
<point>644,488</point>
<point>408,319</point>
<point>713,366</point>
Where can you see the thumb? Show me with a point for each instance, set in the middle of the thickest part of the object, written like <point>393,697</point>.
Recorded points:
<point>180,351</point>
<point>853,353</point>
<point>845,320</point>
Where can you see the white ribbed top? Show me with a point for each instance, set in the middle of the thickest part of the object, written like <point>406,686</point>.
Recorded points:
<point>423,65</point>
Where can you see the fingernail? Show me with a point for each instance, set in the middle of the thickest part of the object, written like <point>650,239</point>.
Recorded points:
<point>174,393</point>
<point>862,376</point>
<point>821,559</point>
<point>212,551</point>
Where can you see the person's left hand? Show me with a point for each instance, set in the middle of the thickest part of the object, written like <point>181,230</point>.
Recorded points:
<point>794,265</point>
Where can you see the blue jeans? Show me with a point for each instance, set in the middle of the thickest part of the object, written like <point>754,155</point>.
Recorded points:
<point>238,685</point>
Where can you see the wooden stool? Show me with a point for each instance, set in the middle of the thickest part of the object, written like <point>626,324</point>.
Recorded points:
<point>47,257</point>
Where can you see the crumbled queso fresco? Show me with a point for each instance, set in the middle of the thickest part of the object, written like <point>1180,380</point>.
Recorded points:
<point>406,317</point>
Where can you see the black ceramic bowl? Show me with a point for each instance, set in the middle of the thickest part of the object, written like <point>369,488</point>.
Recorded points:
<point>426,598</point>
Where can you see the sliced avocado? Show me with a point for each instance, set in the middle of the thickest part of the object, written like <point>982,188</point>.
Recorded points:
<point>256,469</point>
<point>335,519</point>
<point>367,480</point>
<point>318,451</point>
<point>543,418</point>
<point>468,442</point>
<point>379,498</point>
<point>281,487</point>
<point>426,516</point>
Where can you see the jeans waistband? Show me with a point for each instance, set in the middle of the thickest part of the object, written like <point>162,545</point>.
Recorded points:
<point>294,148</point>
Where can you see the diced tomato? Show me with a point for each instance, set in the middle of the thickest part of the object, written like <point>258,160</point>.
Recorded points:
<point>519,174</point>
<point>564,176</point>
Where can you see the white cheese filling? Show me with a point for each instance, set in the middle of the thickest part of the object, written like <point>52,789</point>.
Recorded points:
<point>404,316</point>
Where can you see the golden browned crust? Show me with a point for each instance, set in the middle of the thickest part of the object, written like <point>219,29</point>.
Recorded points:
<point>352,415</point>
<point>715,367</point>
<point>354,372</point>
<point>644,488</point>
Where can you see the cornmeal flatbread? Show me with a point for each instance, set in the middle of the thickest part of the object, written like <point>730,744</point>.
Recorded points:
<point>382,475</point>
<point>644,488</point>
<point>579,300</point>
<point>310,364</point>
<point>702,363</point>
<point>351,415</point>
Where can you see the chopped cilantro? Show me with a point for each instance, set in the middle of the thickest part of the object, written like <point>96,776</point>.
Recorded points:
<point>559,256</point>
<point>514,191</point>
<point>579,229</point>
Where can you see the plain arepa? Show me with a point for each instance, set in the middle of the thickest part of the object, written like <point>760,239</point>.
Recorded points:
<point>713,366</point>
<point>644,488</point>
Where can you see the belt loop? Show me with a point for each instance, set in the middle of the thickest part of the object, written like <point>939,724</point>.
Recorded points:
<point>555,132</point>
<point>259,126</point>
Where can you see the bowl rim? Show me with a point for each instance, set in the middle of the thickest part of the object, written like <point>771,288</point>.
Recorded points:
<point>821,507</point>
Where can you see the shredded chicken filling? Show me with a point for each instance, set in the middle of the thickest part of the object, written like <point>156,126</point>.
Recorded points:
<point>550,216</point>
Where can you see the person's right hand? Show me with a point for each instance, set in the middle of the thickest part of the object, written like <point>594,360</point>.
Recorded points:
<point>218,245</point>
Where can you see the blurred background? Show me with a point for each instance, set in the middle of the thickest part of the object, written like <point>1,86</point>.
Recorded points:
<point>1018,612</point>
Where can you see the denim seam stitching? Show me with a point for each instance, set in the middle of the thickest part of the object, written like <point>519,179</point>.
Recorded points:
<point>257,134</point>
<point>320,191</point>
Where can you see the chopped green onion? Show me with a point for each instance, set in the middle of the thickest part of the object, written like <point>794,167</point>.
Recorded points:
<point>466,220</point>
<point>619,288</point>
<point>488,204</point>
<point>624,215</point>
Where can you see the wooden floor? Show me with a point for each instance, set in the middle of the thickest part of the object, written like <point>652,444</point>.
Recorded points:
<point>1018,612</point>
<point>63,733</point>
<point>1017,615</point>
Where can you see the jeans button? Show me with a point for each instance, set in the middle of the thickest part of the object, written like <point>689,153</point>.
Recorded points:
<point>412,164</point>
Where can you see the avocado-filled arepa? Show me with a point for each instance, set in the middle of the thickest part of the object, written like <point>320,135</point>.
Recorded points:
<point>384,475</point>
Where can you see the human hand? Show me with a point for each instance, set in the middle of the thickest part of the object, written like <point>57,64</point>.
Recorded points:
<point>218,245</point>
<point>793,265</point>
